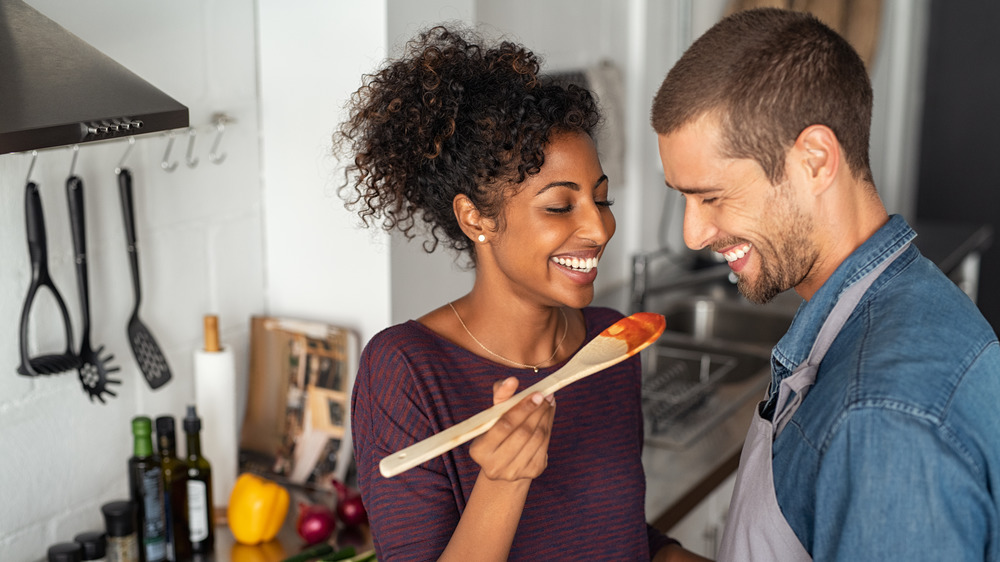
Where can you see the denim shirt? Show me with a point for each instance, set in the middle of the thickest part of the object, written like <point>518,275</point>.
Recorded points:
<point>895,452</point>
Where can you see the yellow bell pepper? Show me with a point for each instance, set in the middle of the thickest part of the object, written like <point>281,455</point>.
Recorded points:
<point>257,509</point>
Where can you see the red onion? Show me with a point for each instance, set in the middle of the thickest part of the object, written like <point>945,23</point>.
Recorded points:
<point>349,507</point>
<point>315,523</point>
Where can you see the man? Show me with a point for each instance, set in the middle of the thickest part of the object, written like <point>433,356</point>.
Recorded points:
<point>880,436</point>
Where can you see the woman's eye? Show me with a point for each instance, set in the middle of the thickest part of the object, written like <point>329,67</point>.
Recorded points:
<point>559,210</point>
<point>605,203</point>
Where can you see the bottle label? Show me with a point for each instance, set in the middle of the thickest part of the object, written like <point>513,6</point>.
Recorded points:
<point>154,531</point>
<point>198,510</point>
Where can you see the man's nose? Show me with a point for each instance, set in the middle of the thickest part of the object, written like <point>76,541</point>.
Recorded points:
<point>698,228</point>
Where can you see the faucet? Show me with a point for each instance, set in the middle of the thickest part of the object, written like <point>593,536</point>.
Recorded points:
<point>643,287</point>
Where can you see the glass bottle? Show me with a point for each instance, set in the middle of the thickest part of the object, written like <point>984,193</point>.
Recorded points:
<point>119,522</point>
<point>201,518</point>
<point>174,490</point>
<point>146,485</point>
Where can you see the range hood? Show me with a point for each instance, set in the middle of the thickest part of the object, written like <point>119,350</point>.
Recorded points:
<point>56,90</point>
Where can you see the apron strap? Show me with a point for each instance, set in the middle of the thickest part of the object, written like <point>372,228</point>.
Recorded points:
<point>799,385</point>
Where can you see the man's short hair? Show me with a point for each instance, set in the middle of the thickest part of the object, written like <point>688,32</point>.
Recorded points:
<point>767,74</point>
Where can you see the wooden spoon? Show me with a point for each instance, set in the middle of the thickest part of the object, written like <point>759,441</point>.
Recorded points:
<point>618,342</point>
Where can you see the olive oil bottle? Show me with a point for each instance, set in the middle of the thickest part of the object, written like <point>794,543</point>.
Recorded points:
<point>174,489</point>
<point>201,513</point>
<point>146,485</point>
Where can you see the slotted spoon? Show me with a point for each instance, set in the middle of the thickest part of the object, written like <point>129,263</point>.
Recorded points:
<point>93,369</point>
<point>618,342</point>
<point>147,352</point>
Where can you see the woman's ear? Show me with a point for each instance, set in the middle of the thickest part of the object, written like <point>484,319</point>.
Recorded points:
<point>473,224</point>
<point>817,156</point>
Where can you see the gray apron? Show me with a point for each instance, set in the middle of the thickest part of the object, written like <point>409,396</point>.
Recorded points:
<point>755,527</point>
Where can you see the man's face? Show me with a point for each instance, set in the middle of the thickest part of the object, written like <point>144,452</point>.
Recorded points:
<point>732,208</point>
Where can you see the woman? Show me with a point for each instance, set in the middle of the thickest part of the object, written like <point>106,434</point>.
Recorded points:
<point>502,166</point>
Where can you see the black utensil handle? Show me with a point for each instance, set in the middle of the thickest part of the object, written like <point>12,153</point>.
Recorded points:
<point>74,198</point>
<point>34,222</point>
<point>128,215</point>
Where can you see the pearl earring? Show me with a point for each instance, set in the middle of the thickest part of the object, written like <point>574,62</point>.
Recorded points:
<point>482,238</point>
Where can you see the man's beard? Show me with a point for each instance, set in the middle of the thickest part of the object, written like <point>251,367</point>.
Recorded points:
<point>785,257</point>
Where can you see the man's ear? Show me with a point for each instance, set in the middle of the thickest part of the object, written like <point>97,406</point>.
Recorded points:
<point>816,157</point>
<point>473,224</point>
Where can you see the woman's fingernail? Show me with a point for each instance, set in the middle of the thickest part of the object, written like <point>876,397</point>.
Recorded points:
<point>551,398</point>
<point>536,399</point>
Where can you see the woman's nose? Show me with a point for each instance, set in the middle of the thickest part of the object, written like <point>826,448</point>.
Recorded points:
<point>597,225</point>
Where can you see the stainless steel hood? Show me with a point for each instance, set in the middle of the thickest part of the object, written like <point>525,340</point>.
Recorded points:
<point>56,90</point>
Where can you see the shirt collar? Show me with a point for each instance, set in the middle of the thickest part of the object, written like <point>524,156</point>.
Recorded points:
<point>794,346</point>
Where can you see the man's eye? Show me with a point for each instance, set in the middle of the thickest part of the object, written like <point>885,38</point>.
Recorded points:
<point>710,200</point>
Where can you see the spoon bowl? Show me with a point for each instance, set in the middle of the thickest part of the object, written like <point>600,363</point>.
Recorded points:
<point>617,342</point>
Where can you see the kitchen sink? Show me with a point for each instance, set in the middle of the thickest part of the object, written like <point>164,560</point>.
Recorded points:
<point>724,321</point>
<point>713,356</point>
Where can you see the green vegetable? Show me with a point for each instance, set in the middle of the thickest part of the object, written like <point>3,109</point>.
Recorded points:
<point>364,557</point>
<point>342,554</point>
<point>310,553</point>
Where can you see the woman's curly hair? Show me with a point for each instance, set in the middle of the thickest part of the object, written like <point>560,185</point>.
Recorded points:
<point>451,117</point>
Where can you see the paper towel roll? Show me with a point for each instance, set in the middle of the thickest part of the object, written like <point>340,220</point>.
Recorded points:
<point>215,397</point>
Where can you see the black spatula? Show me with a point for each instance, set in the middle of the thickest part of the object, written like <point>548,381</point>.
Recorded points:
<point>147,353</point>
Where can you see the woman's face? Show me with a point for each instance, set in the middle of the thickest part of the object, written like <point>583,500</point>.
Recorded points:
<point>556,225</point>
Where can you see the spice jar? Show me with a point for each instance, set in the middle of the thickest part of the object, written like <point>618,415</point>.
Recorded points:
<point>65,552</point>
<point>94,546</point>
<point>122,541</point>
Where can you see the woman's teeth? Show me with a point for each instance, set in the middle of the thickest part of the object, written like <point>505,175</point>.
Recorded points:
<point>577,264</point>
<point>737,253</point>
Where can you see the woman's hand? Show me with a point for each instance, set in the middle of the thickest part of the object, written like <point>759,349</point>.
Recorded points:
<point>516,447</point>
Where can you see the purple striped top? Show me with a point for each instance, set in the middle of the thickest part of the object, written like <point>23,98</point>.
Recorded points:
<point>587,505</point>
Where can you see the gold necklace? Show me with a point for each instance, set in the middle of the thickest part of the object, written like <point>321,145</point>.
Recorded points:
<point>498,356</point>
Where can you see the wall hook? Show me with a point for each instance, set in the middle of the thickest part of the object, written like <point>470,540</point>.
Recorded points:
<point>34,157</point>
<point>128,149</point>
<point>190,159</point>
<point>220,120</point>
<point>166,164</point>
<point>72,164</point>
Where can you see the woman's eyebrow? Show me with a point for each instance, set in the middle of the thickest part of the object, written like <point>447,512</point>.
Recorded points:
<point>570,184</point>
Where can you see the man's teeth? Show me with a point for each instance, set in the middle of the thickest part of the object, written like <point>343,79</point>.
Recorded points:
<point>737,253</point>
<point>578,264</point>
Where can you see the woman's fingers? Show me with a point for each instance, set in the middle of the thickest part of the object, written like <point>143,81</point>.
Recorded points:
<point>517,445</point>
<point>502,390</point>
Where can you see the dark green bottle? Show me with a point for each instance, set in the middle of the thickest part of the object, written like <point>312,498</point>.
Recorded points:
<point>175,490</point>
<point>201,513</point>
<point>146,485</point>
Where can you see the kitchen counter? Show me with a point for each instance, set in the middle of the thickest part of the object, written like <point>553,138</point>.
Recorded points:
<point>287,543</point>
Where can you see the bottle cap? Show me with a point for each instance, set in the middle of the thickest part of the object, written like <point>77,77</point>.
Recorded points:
<point>94,545</point>
<point>119,518</point>
<point>142,426</point>
<point>192,423</point>
<point>165,432</point>
<point>65,552</point>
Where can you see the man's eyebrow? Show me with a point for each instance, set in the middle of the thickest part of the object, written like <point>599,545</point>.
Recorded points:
<point>693,190</point>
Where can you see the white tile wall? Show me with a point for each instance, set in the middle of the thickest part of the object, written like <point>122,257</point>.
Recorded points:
<point>200,234</point>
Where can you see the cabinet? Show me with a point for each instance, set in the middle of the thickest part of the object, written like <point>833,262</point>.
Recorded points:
<point>700,531</point>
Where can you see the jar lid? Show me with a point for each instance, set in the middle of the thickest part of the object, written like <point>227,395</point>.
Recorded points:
<point>65,552</point>
<point>119,518</point>
<point>94,545</point>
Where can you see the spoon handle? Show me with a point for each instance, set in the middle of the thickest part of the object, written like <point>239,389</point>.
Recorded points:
<point>618,342</point>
